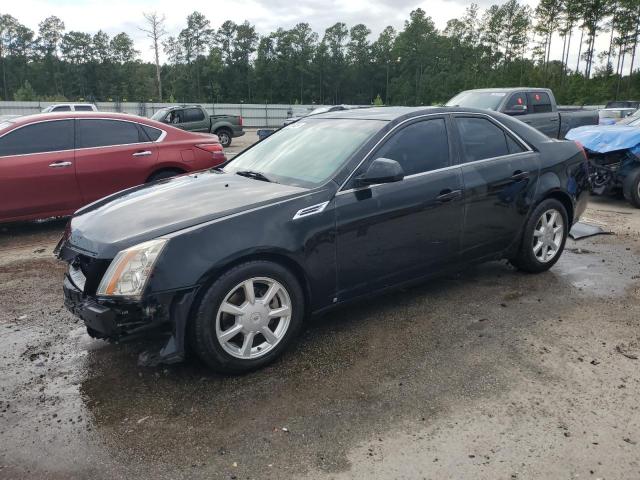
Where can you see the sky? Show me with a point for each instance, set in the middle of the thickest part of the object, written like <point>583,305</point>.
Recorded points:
<point>115,16</point>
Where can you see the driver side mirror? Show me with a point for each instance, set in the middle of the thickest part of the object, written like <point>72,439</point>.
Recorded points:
<point>516,110</point>
<point>381,170</point>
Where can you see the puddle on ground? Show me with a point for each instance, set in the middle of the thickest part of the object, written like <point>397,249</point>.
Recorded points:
<point>591,271</point>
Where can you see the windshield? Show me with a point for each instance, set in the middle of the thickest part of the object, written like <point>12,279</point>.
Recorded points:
<point>160,114</point>
<point>306,153</point>
<point>486,100</point>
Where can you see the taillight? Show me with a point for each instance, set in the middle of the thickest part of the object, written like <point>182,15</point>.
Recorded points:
<point>216,151</point>
<point>240,121</point>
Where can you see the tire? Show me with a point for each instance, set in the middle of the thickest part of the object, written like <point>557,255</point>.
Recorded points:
<point>229,338</point>
<point>162,174</point>
<point>225,137</point>
<point>535,256</point>
<point>631,188</point>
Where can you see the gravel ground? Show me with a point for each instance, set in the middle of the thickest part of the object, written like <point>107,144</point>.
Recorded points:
<point>490,374</point>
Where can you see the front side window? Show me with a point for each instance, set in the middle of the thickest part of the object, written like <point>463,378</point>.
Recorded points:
<point>481,139</point>
<point>101,133</point>
<point>40,137</point>
<point>306,153</point>
<point>420,147</point>
<point>193,115</point>
<point>516,100</point>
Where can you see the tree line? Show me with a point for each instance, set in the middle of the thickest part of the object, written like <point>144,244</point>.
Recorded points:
<point>505,45</point>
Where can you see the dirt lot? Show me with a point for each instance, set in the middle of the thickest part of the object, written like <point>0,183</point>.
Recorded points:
<point>491,374</point>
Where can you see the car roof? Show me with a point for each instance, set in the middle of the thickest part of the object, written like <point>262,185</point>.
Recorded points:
<point>38,117</point>
<point>508,89</point>
<point>175,107</point>
<point>393,113</point>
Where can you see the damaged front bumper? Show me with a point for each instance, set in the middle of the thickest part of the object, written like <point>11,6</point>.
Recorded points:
<point>117,319</point>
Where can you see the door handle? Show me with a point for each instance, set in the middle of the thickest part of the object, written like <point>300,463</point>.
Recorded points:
<point>554,119</point>
<point>142,154</point>
<point>447,195</point>
<point>60,164</point>
<point>519,175</point>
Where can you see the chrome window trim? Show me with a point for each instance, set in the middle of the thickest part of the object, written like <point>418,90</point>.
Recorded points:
<point>438,170</point>
<point>160,138</point>
<point>368,155</point>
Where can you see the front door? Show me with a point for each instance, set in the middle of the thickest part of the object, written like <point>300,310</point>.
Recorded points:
<point>37,170</point>
<point>394,232</point>
<point>112,155</point>
<point>499,174</point>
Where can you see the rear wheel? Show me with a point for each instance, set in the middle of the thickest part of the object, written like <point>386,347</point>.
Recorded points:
<point>224,136</point>
<point>544,237</point>
<point>247,317</point>
<point>631,188</point>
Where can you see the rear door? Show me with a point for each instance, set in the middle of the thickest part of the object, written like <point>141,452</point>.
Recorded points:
<point>393,232</point>
<point>499,173</point>
<point>37,170</point>
<point>541,115</point>
<point>112,155</point>
<point>195,120</point>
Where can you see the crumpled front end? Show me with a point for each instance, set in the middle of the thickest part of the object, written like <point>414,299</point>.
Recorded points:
<point>121,318</point>
<point>613,151</point>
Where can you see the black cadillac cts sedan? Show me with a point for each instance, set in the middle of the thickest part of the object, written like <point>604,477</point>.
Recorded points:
<point>329,209</point>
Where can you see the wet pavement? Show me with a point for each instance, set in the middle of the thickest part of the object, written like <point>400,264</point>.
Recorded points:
<point>486,374</point>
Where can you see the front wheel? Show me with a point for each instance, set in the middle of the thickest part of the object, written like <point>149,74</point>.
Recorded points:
<point>247,317</point>
<point>544,237</point>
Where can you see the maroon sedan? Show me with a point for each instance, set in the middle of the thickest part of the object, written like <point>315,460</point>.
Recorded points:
<point>52,164</point>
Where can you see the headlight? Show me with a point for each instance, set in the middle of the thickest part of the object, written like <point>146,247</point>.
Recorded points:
<point>129,272</point>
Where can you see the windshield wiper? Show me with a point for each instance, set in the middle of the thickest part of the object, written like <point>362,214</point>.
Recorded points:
<point>254,175</point>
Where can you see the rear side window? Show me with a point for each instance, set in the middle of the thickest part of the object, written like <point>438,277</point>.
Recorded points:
<point>540,102</point>
<point>193,115</point>
<point>62,108</point>
<point>38,138</point>
<point>481,139</point>
<point>101,133</point>
<point>83,108</point>
<point>513,146</point>
<point>152,133</point>
<point>419,147</point>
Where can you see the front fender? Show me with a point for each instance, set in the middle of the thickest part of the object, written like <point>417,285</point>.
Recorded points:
<point>193,256</point>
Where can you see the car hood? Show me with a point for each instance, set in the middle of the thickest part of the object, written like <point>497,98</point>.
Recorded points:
<point>126,218</point>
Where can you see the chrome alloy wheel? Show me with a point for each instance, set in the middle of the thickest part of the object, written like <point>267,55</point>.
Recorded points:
<point>548,235</point>
<point>253,318</point>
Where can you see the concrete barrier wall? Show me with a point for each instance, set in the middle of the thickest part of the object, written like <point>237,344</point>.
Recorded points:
<point>255,115</point>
